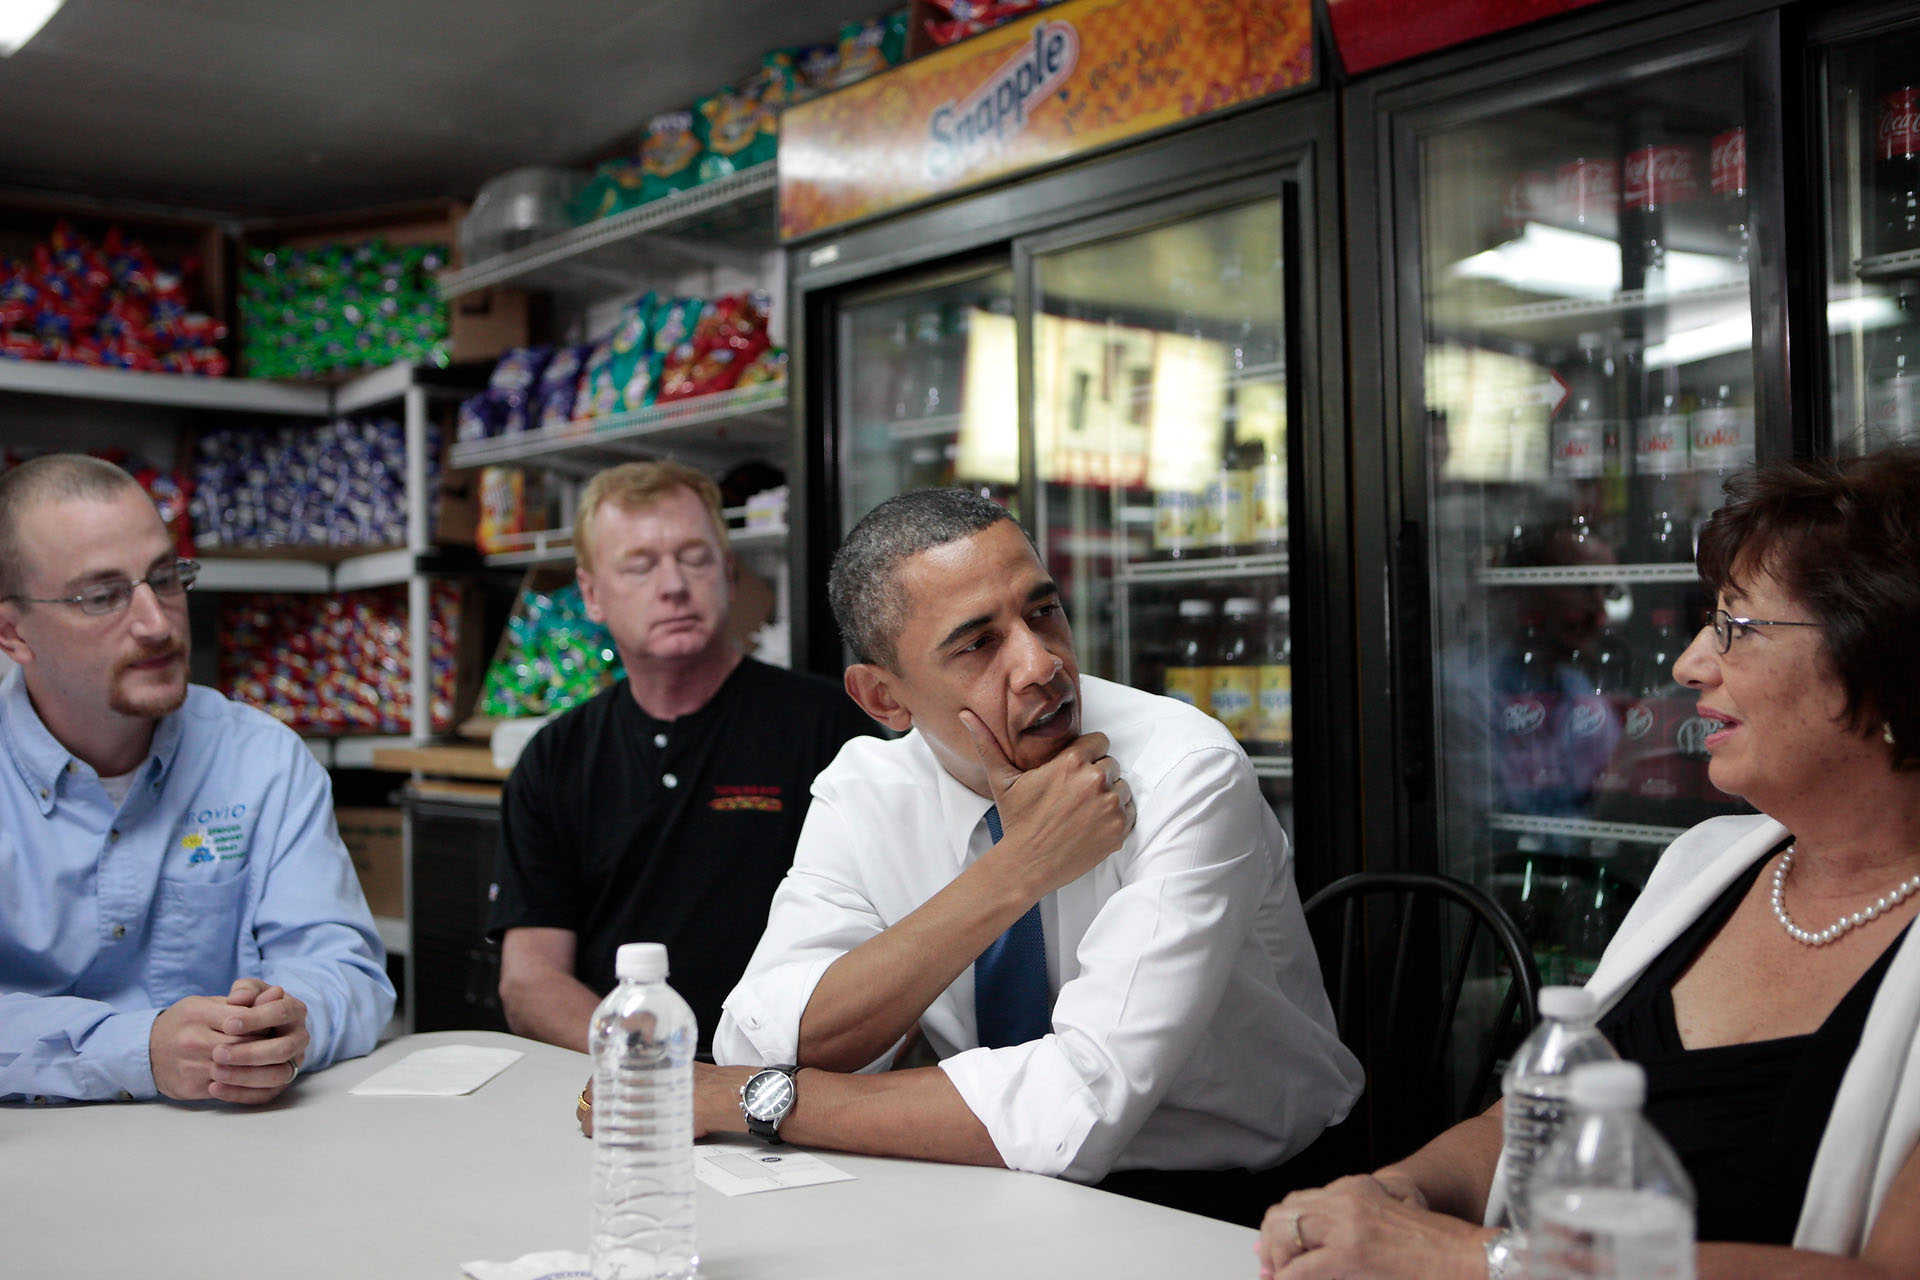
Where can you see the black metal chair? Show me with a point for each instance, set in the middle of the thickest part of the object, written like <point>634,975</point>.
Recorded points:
<point>1398,951</point>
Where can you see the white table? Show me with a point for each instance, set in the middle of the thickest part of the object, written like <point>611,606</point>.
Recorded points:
<point>322,1184</point>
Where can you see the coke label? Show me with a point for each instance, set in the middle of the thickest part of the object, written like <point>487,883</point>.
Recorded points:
<point>1529,198</point>
<point>1730,163</point>
<point>1585,188</point>
<point>1658,175</point>
<point>1660,448</point>
<point>1578,449</point>
<point>1722,438</point>
<point>1899,133</point>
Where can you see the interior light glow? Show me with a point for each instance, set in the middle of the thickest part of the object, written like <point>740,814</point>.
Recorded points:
<point>21,20</point>
<point>1578,264</point>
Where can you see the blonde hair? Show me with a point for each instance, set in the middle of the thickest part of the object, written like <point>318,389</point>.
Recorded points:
<point>635,486</point>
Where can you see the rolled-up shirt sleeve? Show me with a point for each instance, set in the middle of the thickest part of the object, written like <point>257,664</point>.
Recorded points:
<point>1149,974</point>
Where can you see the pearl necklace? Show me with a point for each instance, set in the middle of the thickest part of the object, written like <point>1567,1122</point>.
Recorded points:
<point>1885,902</point>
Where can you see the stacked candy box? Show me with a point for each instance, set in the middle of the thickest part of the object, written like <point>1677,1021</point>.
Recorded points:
<point>552,655</point>
<point>340,485</point>
<point>337,664</point>
<point>307,312</point>
<point>112,305</point>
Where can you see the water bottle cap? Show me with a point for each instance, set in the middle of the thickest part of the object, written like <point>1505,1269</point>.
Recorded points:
<point>640,961</point>
<point>1607,1086</point>
<point>1567,1004</point>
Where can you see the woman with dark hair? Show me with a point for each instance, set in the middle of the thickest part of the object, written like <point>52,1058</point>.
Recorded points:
<point>1765,979</point>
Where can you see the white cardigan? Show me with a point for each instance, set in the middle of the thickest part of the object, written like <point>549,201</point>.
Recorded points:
<point>1875,1121</point>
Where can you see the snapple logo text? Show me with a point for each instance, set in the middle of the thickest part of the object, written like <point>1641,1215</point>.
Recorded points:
<point>992,115</point>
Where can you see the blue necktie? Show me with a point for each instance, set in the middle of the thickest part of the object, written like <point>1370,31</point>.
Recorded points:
<point>1011,1004</point>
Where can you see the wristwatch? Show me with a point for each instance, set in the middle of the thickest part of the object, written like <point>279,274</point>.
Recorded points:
<point>766,1099</point>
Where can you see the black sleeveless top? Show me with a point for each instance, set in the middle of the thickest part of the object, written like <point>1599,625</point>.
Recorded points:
<point>1745,1119</point>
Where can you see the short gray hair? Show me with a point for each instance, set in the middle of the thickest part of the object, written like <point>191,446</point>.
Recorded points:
<point>864,584</point>
<point>52,477</point>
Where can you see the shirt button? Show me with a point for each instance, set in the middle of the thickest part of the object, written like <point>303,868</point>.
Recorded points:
<point>69,766</point>
<point>125,1096</point>
<point>113,836</point>
<point>119,931</point>
<point>659,739</point>
<point>669,781</point>
<point>43,793</point>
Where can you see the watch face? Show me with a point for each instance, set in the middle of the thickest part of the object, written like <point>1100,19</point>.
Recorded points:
<point>769,1095</point>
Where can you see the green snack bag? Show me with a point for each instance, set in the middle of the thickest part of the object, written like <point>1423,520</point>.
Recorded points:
<point>669,155</point>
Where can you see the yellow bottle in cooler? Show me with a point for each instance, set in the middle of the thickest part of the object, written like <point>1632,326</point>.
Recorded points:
<point>1189,674</point>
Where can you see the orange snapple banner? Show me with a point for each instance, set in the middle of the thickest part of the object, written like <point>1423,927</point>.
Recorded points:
<point>1065,81</point>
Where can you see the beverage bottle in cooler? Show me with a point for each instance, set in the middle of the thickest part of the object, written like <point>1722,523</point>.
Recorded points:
<point>1611,1201</point>
<point>905,388</point>
<point>1896,171</point>
<point>1586,195</point>
<point>1722,443</point>
<point>929,388</point>
<point>1273,721</point>
<point>1660,706</point>
<point>1587,423</point>
<point>1661,444</point>
<point>1590,717</point>
<point>1534,1090</point>
<point>1730,191</point>
<point>1893,377</point>
<point>1659,176</point>
<point>1593,912</point>
<point>1189,676</point>
<point>1234,690</point>
<point>1270,497</point>
<point>1228,518</point>
<point>642,1039</point>
<point>1531,773</point>
<point>1613,680</point>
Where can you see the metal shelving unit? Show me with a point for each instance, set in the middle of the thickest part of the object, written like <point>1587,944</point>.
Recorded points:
<point>717,429</point>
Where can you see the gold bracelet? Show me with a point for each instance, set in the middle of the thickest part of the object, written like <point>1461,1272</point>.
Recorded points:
<point>586,1103</point>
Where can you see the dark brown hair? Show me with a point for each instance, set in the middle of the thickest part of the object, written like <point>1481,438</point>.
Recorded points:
<point>1842,535</point>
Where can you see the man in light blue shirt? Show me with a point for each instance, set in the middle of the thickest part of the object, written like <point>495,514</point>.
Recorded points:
<point>178,916</point>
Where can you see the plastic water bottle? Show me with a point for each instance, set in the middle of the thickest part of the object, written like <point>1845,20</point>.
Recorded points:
<point>1610,1199</point>
<point>642,1040</point>
<point>1535,1087</point>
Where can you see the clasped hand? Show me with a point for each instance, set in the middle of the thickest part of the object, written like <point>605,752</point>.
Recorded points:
<point>1367,1225</point>
<point>244,1047</point>
<point>1062,818</point>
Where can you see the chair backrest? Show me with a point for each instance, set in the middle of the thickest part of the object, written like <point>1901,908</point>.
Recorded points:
<point>1433,987</point>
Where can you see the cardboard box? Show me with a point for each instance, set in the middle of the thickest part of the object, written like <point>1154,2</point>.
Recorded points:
<point>375,840</point>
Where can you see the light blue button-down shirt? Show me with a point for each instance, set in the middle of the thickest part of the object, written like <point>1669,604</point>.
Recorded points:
<point>221,863</point>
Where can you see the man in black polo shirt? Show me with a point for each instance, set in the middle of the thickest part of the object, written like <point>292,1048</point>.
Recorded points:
<point>666,809</point>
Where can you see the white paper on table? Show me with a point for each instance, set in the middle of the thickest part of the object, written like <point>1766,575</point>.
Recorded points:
<point>444,1071</point>
<point>734,1170</point>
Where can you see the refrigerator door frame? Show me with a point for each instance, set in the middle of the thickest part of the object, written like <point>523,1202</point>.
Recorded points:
<point>1385,119</point>
<point>1291,143</point>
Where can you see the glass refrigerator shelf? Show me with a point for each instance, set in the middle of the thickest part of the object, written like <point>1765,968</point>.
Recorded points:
<point>1584,828</point>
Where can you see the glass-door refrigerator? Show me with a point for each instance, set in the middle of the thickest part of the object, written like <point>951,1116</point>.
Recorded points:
<point>1130,357</point>
<point>1867,73</point>
<point>1580,292</point>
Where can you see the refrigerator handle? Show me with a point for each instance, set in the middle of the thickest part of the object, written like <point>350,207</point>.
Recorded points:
<point>1414,699</point>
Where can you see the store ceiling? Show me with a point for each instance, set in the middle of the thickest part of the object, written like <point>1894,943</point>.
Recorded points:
<point>279,107</point>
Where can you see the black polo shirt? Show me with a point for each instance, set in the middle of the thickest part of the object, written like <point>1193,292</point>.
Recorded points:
<point>624,828</point>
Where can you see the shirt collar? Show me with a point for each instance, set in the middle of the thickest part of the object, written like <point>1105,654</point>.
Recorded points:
<point>40,758</point>
<point>963,810</point>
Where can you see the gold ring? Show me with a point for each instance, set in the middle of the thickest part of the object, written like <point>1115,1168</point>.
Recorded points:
<point>585,1103</point>
<point>1293,1222</point>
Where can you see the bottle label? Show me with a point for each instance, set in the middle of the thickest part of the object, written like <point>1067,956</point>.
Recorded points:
<point>1529,198</point>
<point>1232,696</point>
<point>1579,449</point>
<point>1584,189</point>
<point>1270,504</point>
<point>1730,163</point>
<point>1893,411</point>
<point>1660,448</point>
<point>1274,721</point>
<point>1176,520</point>
<point>1226,517</point>
<point>1659,175</point>
<point>1722,438</point>
<point>1899,133</point>
<point>1190,685</point>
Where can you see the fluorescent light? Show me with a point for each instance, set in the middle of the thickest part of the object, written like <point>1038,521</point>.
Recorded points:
<point>21,20</point>
<point>1578,264</point>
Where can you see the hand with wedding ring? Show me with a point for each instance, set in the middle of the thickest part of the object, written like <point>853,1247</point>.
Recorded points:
<point>244,1047</point>
<point>1367,1226</point>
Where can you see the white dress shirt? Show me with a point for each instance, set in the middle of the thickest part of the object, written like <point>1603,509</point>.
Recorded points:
<point>1190,1026</point>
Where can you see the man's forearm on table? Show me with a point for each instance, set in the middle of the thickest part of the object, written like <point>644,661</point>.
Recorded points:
<point>916,1114</point>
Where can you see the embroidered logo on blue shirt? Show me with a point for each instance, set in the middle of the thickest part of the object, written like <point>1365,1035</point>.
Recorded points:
<point>215,834</point>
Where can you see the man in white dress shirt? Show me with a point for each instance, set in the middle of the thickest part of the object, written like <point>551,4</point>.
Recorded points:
<point>1188,1029</point>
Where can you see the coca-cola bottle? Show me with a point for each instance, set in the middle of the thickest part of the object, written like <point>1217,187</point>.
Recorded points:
<point>1587,429</point>
<point>1661,441</point>
<point>1722,443</point>
<point>1586,195</point>
<point>1896,170</point>
<point>1532,774</point>
<point>1658,174</point>
<point>1730,190</point>
<point>1893,377</point>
